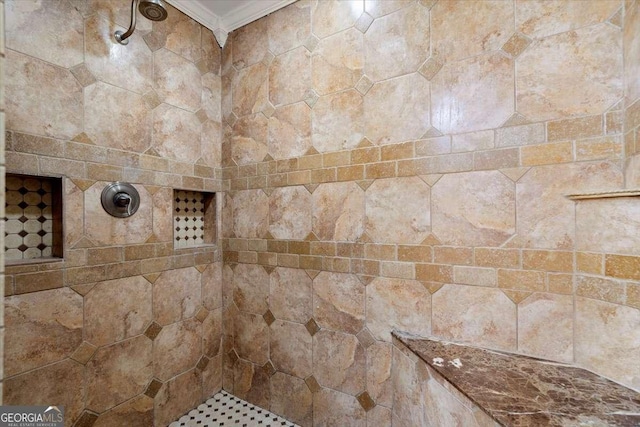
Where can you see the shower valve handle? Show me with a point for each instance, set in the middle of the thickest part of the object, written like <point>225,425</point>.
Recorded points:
<point>122,200</point>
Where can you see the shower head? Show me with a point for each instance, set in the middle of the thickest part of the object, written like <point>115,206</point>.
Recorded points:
<point>154,10</point>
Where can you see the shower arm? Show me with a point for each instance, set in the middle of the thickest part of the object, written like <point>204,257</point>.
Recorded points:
<point>122,37</point>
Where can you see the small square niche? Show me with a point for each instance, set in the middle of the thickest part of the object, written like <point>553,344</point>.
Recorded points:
<point>194,219</point>
<point>33,218</point>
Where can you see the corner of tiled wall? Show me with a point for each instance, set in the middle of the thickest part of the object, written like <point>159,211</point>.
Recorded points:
<point>2,173</point>
<point>631,48</point>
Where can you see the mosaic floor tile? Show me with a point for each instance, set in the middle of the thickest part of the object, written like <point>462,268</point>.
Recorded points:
<point>224,409</point>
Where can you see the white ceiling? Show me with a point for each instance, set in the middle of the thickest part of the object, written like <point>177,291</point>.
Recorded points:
<point>224,16</point>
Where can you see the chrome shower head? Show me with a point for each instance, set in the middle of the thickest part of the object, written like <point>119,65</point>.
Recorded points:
<point>154,10</point>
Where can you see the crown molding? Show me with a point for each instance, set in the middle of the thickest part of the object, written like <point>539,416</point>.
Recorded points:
<point>223,25</point>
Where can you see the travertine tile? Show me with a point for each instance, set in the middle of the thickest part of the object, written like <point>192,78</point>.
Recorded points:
<point>338,62</point>
<point>631,51</point>
<point>177,349</point>
<point>128,67</point>
<point>540,19</point>
<point>252,338</point>
<point>378,8</point>
<point>389,56</point>
<point>329,17</point>
<point>60,116</point>
<point>338,211</point>
<point>127,313</point>
<point>251,383</point>
<point>176,80</point>
<point>62,382</point>
<point>608,225</point>
<point>337,122</point>
<point>250,214</point>
<point>404,305</point>
<point>176,295</point>
<point>545,217</point>
<point>290,77</point>
<point>176,133</point>
<point>249,43</point>
<point>462,89</point>
<point>291,398</point>
<point>118,372</point>
<point>404,102</point>
<point>461,30</point>
<point>177,396</point>
<point>591,56</point>
<point>212,286</point>
<point>290,213</point>
<point>290,131</point>
<point>180,34</point>
<point>137,412</point>
<point>291,348</point>
<point>55,314</point>
<point>474,208</point>
<point>251,288</point>
<point>51,31</point>
<point>212,333</point>
<point>545,326</point>
<point>116,118</point>
<point>397,210</point>
<point>290,27</point>
<point>249,139</point>
<point>108,230</point>
<point>339,362</point>
<point>339,302</point>
<point>249,87</point>
<point>606,340</point>
<point>379,384</point>
<point>290,296</point>
<point>479,316</point>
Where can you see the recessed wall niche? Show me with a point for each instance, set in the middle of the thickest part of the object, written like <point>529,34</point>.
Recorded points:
<point>33,218</point>
<point>194,219</point>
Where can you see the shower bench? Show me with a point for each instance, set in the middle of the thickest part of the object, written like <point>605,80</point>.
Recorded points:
<point>437,383</point>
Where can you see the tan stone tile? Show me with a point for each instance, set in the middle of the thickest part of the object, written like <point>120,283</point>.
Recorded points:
<point>176,295</point>
<point>600,288</point>
<point>337,122</point>
<point>541,19</point>
<point>127,314</point>
<point>250,44</point>
<point>490,29</point>
<point>405,103</point>
<point>177,348</point>
<point>290,27</point>
<point>605,339</point>
<point>599,148</point>
<point>177,396</point>
<point>545,154</point>
<point>250,214</point>
<point>631,47</point>
<point>434,273</point>
<point>329,17</point>
<point>560,283</point>
<point>453,255</point>
<point>56,314</point>
<point>251,338</point>
<point>212,333</point>
<point>474,141</point>
<point>470,82</point>
<point>480,316</point>
<point>250,288</point>
<point>477,276</point>
<point>433,146</point>
<point>386,56</point>
<point>63,382</point>
<point>138,411</point>
<point>290,348</point>
<point>290,295</point>
<point>516,44</point>
<point>528,134</point>
<point>35,282</point>
<point>521,280</point>
<point>290,131</point>
<point>380,170</point>
<point>290,213</point>
<point>633,295</point>
<point>470,215</point>
<point>60,116</point>
<point>496,159</point>
<point>397,210</point>
<point>339,158</point>
<point>286,87</point>
<point>118,373</point>
<point>249,88</point>
<point>291,398</point>
<point>543,93</point>
<point>590,263</point>
<point>176,134</point>
<point>350,173</point>
<point>211,52</point>
<point>575,128</point>
<point>547,260</point>
<point>339,302</point>
<point>338,62</point>
<point>415,253</point>
<point>177,80</point>
<point>607,226</point>
<point>338,361</point>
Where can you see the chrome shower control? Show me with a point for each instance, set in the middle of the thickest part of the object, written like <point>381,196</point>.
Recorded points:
<point>120,199</point>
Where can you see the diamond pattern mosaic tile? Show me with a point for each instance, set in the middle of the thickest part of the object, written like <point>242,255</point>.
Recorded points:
<point>29,218</point>
<point>224,409</point>
<point>188,218</point>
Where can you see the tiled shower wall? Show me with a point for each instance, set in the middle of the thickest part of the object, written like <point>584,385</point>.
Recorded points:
<point>631,48</point>
<point>403,164</point>
<point>124,330</point>
<point>2,174</point>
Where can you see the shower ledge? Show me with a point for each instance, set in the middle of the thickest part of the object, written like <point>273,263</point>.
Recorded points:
<point>517,390</point>
<point>610,194</point>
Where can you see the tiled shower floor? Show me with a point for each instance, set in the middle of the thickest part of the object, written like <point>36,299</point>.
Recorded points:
<point>224,409</point>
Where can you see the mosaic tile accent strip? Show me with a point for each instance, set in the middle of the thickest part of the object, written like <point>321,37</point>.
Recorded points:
<point>224,409</point>
<point>29,218</point>
<point>188,218</point>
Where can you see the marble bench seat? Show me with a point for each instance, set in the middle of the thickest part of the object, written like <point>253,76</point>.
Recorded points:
<point>438,383</point>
